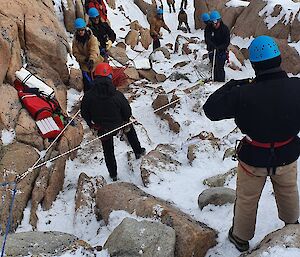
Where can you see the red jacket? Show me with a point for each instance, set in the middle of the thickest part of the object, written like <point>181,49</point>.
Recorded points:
<point>101,7</point>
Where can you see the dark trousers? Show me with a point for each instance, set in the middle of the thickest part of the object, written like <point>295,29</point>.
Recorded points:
<point>156,43</point>
<point>219,72</point>
<point>172,6</point>
<point>87,80</point>
<point>183,4</point>
<point>109,153</point>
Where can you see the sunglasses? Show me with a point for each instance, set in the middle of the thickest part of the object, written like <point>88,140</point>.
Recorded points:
<point>216,21</point>
<point>80,30</point>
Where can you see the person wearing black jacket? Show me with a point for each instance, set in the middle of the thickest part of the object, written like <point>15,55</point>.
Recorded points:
<point>267,110</point>
<point>104,109</point>
<point>102,31</point>
<point>217,38</point>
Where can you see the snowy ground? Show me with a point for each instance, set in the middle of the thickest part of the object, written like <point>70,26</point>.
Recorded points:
<point>181,187</point>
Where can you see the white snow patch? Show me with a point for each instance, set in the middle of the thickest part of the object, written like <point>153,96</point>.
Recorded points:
<point>280,251</point>
<point>237,3</point>
<point>7,136</point>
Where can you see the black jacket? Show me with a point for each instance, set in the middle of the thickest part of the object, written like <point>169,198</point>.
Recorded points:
<point>217,38</point>
<point>267,110</point>
<point>105,106</point>
<point>103,32</point>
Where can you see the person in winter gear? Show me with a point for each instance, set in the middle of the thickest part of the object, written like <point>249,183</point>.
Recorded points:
<point>217,39</point>
<point>104,33</point>
<point>100,6</point>
<point>267,110</point>
<point>182,18</point>
<point>85,48</point>
<point>105,109</point>
<point>171,4</point>
<point>183,4</point>
<point>156,22</point>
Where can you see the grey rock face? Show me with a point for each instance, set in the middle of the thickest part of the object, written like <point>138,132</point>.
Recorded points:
<point>140,239</point>
<point>37,243</point>
<point>216,196</point>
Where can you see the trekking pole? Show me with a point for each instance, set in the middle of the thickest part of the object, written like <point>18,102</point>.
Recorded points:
<point>213,66</point>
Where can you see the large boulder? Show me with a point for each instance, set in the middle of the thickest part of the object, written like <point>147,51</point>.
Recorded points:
<point>290,57</point>
<point>132,38</point>
<point>146,39</point>
<point>192,238</point>
<point>119,54</point>
<point>16,159</point>
<point>76,79</point>
<point>10,106</point>
<point>134,238</point>
<point>39,31</point>
<point>85,198</point>
<point>56,182</point>
<point>10,50</point>
<point>27,131</point>
<point>229,14</point>
<point>216,196</point>
<point>157,161</point>
<point>259,19</point>
<point>38,243</point>
<point>69,12</point>
<point>286,238</point>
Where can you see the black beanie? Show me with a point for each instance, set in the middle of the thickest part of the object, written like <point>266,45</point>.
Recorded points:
<point>267,64</point>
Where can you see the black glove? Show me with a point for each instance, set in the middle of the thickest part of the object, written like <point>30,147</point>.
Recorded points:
<point>90,64</point>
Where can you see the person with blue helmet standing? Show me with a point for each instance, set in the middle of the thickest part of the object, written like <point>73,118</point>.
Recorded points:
<point>217,39</point>
<point>102,31</point>
<point>156,23</point>
<point>205,17</point>
<point>85,48</point>
<point>267,111</point>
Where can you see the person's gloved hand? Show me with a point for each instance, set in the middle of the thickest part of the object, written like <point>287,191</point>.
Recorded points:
<point>108,44</point>
<point>95,129</point>
<point>90,65</point>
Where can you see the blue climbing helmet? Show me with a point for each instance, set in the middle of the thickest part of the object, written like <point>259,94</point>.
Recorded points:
<point>79,23</point>
<point>263,48</point>
<point>214,16</point>
<point>205,17</point>
<point>93,12</point>
<point>159,11</point>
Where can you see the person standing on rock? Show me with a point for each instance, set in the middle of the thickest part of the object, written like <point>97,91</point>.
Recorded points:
<point>171,4</point>
<point>156,22</point>
<point>267,111</point>
<point>104,33</point>
<point>104,109</point>
<point>217,39</point>
<point>183,18</point>
<point>85,48</point>
<point>100,6</point>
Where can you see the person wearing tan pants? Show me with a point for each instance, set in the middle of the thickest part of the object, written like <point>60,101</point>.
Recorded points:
<point>267,110</point>
<point>250,183</point>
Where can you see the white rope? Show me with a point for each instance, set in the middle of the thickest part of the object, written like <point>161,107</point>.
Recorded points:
<point>54,141</point>
<point>23,175</point>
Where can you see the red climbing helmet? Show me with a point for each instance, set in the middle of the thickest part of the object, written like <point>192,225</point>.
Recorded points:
<point>103,69</point>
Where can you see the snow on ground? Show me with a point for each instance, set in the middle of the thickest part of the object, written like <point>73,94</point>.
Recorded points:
<point>237,3</point>
<point>181,187</point>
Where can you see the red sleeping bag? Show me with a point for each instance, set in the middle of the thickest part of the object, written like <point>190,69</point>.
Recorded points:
<point>42,109</point>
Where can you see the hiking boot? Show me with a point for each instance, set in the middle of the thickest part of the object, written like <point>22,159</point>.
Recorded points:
<point>240,244</point>
<point>139,155</point>
<point>115,178</point>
